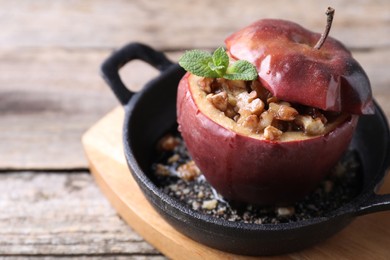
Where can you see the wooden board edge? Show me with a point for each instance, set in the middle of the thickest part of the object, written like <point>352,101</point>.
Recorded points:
<point>161,235</point>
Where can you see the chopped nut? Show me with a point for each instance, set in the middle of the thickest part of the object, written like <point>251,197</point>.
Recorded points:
<point>248,103</point>
<point>230,112</point>
<point>205,84</point>
<point>188,171</point>
<point>162,170</point>
<point>195,205</point>
<point>220,100</point>
<point>311,126</point>
<point>232,100</point>
<point>173,187</point>
<point>168,143</point>
<point>252,96</point>
<point>209,204</point>
<point>221,210</point>
<point>236,84</point>
<point>315,113</point>
<point>200,195</point>
<point>233,218</point>
<point>251,122</point>
<point>266,119</point>
<point>283,111</point>
<point>272,99</point>
<point>222,84</point>
<point>285,211</point>
<point>272,133</point>
<point>258,221</point>
<point>256,106</point>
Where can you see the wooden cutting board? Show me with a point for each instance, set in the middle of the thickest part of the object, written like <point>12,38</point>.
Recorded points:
<point>368,237</point>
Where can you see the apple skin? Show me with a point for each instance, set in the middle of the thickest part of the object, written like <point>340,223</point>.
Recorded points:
<point>292,70</point>
<point>248,170</point>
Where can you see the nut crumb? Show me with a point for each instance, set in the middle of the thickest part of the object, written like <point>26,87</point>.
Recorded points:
<point>285,211</point>
<point>283,111</point>
<point>195,205</point>
<point>162,170</point>
<point>168,143</point>
<point>209,204</point>
<point>272,133</point>
<point>188,171</point>
<point>311,126</point>
<point>220,100</point>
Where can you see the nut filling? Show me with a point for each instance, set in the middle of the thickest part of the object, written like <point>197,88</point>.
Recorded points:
<point>253,107</point>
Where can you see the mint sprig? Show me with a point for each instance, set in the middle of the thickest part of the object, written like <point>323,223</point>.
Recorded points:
<point>241,70</point>
<point>216,65</point>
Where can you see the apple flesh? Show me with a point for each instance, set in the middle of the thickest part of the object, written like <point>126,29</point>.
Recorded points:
<point>247,169</point>
<point>292,70</point>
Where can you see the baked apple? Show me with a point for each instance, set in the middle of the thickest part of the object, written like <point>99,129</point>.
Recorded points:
<point>272,139</point>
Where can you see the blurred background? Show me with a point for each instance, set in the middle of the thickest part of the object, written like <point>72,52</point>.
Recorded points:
<point>51,92</point>
<point>50,53</point>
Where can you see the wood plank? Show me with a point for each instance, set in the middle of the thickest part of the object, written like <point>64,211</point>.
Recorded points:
<point>367,237</point>
<point>166,24</point>
<point>48,99</point>
<point>48,214</point>
<point>47,103</point>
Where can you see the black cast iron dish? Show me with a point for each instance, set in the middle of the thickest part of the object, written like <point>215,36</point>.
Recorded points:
<point>152,111</point>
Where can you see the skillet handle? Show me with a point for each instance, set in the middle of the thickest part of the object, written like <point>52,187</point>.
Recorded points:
<point>132,51</point>
<point>374,203</point>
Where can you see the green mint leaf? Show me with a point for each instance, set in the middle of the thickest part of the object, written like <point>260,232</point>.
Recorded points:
<point>241,70</point>
<point>203,64</point>
<point>197,62</point>
<point>214,67</point>
<point>221,60</point>
<point>220,70</point>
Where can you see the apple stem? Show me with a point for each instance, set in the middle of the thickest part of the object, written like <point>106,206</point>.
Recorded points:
<point>329,13</point>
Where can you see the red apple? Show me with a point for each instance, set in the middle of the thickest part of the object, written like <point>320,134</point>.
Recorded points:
<point>247,168</point>
<point>291,69</point>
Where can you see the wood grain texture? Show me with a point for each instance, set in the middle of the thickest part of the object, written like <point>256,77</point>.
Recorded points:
<point>50,54</point>
<point>165,24</point>
<point>367,237</point>
<point>47,99</point>
<point>49,214</point>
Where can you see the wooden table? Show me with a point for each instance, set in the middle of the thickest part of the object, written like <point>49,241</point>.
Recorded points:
<point>51,93</point>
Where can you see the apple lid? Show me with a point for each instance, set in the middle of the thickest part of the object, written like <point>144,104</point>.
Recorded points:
<point>292,70</point>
